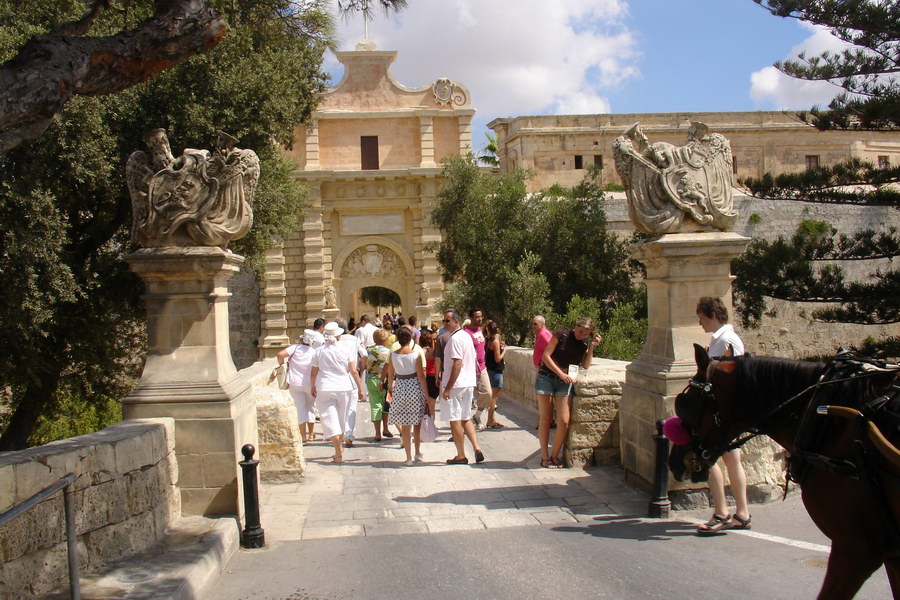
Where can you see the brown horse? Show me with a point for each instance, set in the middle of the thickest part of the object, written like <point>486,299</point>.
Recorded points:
<point>849,471</point>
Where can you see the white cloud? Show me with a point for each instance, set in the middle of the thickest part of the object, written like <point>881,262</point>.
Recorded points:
<point>517,57</point>
<point>770,87</point>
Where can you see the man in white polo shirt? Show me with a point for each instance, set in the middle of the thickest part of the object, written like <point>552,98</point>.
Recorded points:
<point>458,380</point>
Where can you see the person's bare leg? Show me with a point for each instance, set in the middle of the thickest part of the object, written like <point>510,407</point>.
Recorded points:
<point>738,480</point>
<point>545,407</point>
<point>311,430</point>
<point>563,407</point>
<point>417,437</point>
<point>492,408</point>
<point>304,437</point>
<point>469,428</point>
<point>405,431</point>
<point>337,441</point>
<point>456,430</point>
<point>717,491</point>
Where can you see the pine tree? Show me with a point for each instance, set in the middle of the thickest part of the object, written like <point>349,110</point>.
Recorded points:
<point>794,269</point>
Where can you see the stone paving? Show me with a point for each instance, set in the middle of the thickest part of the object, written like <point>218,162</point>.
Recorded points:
<point>373,493</point>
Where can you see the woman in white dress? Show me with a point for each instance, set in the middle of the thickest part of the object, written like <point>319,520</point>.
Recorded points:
<point>333,369</point>
<point>299,366</point>
<point>406,380</point>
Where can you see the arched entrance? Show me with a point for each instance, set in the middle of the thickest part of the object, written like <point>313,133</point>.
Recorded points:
<point>374,262</point>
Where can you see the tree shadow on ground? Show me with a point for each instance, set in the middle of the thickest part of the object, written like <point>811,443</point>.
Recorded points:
<point>630,528</point>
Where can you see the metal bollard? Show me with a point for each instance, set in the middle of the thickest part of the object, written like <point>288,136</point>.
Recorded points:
<point>659,504</point>
<point>253,535</point>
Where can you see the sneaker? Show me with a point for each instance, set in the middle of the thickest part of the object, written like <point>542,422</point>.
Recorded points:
<point>419,458</point>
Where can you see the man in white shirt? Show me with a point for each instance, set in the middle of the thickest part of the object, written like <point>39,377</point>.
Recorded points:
<point>713,317</point>
<point>356,353</point>
<point>458,380</point>
<point>364,332</point>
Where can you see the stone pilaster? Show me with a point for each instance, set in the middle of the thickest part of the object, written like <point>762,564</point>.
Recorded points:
<point>314,255</point>
<point>273,305</point>
<point>189,375</point>
<point>312,146</point>
<point>465,134</point>
<point>681,268</point>
<point>426,141</point>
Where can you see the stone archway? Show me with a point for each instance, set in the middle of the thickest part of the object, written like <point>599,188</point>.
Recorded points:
<point>374,262</point>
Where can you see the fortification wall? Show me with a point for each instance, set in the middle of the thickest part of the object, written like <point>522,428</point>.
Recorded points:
<point>125,498</point>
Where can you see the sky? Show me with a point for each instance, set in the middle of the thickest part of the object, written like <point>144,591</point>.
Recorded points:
<point>539,57</point>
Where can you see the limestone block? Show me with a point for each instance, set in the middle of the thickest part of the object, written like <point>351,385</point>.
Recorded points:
<point>579,457</point>
<point>116,494</point>
<point>587,435</point>
<point>114,541</point>
<point>39,528</point>
<point>209,501</point>
<point>7,487</point>
<point>34,575</point>
<point>280,448</point>
<point>599,408</point>
<point>144,491</point>
<point>90,508</point>
<point>607,456</point>
<point>190,470</point>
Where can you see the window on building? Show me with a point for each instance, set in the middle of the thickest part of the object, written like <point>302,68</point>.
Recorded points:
<point>579,161</point>
<point>368,147</point>
<point>884,162</point>
<point>812,161</point>
<point>598,161</point>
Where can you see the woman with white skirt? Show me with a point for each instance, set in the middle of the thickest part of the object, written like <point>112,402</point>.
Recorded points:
<point>332,370</point>
<point>299,367</point>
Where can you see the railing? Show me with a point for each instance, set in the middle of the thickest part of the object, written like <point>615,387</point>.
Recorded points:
<point>67,484</point>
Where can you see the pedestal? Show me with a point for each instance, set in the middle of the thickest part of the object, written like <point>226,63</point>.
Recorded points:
<point>681,268</point>
<point>423,316</point>
<point>189,374</point>
<point>330,314</point>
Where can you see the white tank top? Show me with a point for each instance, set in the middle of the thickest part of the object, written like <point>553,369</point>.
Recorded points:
<point>405,364</point>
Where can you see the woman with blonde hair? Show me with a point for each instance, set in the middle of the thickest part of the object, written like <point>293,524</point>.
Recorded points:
<point>555,381</point>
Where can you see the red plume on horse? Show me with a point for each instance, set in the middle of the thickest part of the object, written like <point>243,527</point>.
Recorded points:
<point>840,423</point>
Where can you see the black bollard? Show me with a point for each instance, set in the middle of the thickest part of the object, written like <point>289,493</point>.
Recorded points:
<point>659,504</point>
<point>253,535</point>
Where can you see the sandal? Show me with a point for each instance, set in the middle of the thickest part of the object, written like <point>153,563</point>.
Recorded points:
<point>496,426</point>
<point>742,523</point>
<point>546,463</point>
<point>337,459</point>
<point>555,463</point>
<point>715,525</point>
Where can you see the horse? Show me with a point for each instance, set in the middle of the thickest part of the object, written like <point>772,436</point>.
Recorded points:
<point>848,469</point>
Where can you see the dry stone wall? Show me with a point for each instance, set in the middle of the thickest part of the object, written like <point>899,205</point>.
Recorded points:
<point>125,498</point>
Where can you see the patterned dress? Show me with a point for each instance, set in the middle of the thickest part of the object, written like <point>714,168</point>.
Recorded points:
<point>378,356</point>
<point>408,405</point>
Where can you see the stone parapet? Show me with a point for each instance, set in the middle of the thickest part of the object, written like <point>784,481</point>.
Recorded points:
<point>125,499</point>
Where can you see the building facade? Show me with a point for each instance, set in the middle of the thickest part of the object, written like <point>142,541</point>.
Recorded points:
<point>371,159</point>
<point>560,148</point>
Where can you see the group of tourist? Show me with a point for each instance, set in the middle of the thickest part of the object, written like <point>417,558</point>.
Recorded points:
<point>407,370</point>
<point>402,371</point>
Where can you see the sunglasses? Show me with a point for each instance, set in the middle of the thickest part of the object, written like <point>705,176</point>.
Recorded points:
<point>446,320</point>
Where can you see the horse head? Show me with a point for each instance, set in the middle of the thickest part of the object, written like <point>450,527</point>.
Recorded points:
<point>706,410</point>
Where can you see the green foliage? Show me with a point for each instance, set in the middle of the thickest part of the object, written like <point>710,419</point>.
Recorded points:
<point>379,297</point>
<point>576,308</point>
<point>489,151</point>
<point>70,311</point>
<point>516,254</point>
<point>623,337</point>
<point>755,219</point>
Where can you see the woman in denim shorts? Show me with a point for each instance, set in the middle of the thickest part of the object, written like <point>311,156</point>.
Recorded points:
<point>494,351</point>
<point>554,386</point>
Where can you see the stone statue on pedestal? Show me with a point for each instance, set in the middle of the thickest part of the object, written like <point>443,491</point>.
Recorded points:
<point>673,189</point>
<point>330,297</point>
<point>424,294</point>
<point>197,199</point>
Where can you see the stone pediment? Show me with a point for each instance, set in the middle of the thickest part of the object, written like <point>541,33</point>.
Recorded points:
<point>367,85</point>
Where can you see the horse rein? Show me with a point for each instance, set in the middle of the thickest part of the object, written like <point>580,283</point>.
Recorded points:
<point>713,453</point>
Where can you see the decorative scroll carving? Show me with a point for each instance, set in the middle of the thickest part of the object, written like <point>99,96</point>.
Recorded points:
<point>424,294</point>
<point>446,92</point>
<point>666,183</point>
<point>197,199</point>
<point>373,261</point>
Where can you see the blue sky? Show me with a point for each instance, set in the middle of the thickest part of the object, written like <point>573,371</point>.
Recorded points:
<point>523,57</point>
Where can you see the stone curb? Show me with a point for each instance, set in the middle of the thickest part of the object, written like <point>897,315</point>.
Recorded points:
<point>183,566</point>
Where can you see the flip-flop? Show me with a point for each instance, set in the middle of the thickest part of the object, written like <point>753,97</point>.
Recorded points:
<point>496,426</point>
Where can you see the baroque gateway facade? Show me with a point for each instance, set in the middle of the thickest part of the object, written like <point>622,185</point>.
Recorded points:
<point>371,159</point>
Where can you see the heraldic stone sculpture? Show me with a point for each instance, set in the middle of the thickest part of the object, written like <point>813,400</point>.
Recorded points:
<point>666,183</point>
<point>197,199</point>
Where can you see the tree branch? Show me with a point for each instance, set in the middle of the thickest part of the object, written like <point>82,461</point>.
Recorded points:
<point>52,68</point>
